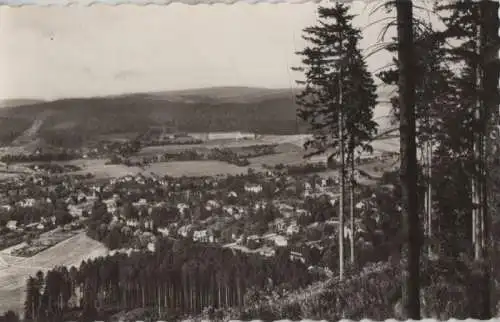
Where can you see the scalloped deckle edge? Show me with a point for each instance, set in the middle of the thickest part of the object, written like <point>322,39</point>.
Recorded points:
<point>86,3</point>
<point>366,320</point>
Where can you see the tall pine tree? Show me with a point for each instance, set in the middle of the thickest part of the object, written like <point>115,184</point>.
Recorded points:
<point>338,98</point>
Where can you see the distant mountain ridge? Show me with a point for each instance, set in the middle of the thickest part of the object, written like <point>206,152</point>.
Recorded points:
<point>73,121</point>
<point>18,102</point>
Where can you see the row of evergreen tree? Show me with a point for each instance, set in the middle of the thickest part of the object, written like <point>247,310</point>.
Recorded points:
<point>180,278</point>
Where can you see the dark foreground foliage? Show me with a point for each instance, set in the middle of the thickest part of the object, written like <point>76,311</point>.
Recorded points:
<point>451,289</point>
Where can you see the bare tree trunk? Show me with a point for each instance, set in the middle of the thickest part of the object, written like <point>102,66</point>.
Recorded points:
<point>342,180</point>
<point>489,51</point>
<point>429,195</point>
<point>423,161</point>
<point>351,199</point>
<point>476,181</point>
<point>408,171</point>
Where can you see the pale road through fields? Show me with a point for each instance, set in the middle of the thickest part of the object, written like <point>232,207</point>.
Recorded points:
<point>70,252</point>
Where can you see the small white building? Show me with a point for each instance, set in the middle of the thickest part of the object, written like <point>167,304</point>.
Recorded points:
<point>184,230</point>
<point>164,231</point>
<point>11,224</point>
<point>203,236</point>
<point>28,202</point>
<point>293,229</point>
<point>140,202</point>
<point>75,211</point>
<point>279,225</point>
<point>254,188</point>
<point>6,207</point>
<point>132,222</point>
<point>182,208</point>
<point>151,247</point>
<point>111,205</point>
<point>295,256</point>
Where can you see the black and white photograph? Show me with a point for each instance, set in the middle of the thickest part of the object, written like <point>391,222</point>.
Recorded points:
<point>250,161</point>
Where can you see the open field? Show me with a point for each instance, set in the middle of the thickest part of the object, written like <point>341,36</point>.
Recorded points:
<point>289,151</point>
<point>386,145</point>
<point>275,159</point>
<point>70,252</point>
<point>194,168</point>
<point>298,139</point>
<point>100,169</point>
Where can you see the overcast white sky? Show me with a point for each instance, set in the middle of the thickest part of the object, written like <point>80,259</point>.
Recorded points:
<point>54,52</point>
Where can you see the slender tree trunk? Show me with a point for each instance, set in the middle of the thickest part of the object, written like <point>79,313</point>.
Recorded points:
<point>490,76</point>
<point>429,196</point>
<point>423,162</point>
<point>408,170</point>
<point>342,180</point>
<point>351,201</point>
<point>158,300</point>
<point>476,177</point>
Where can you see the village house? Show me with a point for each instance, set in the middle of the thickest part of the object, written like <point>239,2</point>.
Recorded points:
<point>148,224</point>
<point>81,197</point>
<point>260,205</point>
<point>253,188</point>
<point>295,256</point>
<point>31,226</point>
<point>230,210</point>
<point>302,212</point>
<point>212,204</point>
<point>203,236</point>
<point>184,231</point>
<point>140,203</point>
<point>164,231</point>
<point>49,220</point>
<point>182,208</point>
<point>26,203</point>
<point>360,205</point>
<point>279,225</point>
<point>277,240</point>
<point>163,182</point>
<point>292,229</point>
<point>75,211</point>
<point>267,252</point>
<point>253,241</point>
<point>111,205</point>
<point>140,179</point>
<point>132,222</point>
<point>6,207</point>
<point>11,224</point>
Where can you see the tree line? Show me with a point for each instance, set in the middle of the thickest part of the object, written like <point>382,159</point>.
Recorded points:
<point>179,278</point>
<point>446,105</point>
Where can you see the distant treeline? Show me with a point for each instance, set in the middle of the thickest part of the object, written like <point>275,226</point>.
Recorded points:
<point>55,168</point>
<point>41,157</point>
